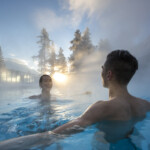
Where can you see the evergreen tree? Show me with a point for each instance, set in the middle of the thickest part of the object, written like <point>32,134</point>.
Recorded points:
<point>86,44</point>
<point>76,41</point>
<point>61,61</point>
<point>81,47</point>
<point>2,64</point>
<point>42,57</point>
<point>52,58</point>
<point>75,48</point>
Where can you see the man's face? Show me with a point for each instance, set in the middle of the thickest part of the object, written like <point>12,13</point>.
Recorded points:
<point>46,83</point>
<point>103,76</point>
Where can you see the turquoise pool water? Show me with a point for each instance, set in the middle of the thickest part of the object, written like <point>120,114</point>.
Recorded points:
<point>21,116</point>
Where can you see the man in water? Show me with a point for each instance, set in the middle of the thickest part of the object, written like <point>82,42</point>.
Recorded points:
<point>117,71</point>
<point>45,84</point>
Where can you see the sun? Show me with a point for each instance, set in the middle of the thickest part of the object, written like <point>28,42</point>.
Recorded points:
<point>59,77</point>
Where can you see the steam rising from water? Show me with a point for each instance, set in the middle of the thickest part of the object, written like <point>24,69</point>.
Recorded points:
<point>126,25</point>
<point>87,80</point>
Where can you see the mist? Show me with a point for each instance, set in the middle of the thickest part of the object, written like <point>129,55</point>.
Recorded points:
<point>87,80</point>
<point>125,24</point>
<point>115,24</point>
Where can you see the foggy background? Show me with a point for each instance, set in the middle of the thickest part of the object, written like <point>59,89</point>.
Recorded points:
<point>112,24</point>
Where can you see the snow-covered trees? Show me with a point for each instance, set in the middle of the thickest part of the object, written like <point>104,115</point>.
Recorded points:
<point>52,58</point>
<point>81,47</point>
<point>42,56</point>
<point>48,61</point>
<point>75,48</point>
<point>61,61</point>
<point>86,44</point>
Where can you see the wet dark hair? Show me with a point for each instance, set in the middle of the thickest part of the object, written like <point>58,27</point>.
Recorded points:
<point>41,78</point>
<point>122,64</point>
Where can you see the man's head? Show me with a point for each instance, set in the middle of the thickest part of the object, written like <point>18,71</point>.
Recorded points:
<point>121,65</point>
<point>45,82</point>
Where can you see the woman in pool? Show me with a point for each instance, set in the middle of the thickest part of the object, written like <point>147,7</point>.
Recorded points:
<point>45,82</point>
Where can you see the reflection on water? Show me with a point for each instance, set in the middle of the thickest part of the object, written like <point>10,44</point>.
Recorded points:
<point>23,116</point>
<point>37,117</point>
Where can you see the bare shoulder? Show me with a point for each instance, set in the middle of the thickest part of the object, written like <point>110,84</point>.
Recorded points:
<point>143,103</point>
<point>99,105</point>
<point>142,100</point>
<point>35,97</point>
<point>97,111</point>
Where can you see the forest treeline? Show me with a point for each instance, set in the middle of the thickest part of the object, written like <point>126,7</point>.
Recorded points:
<point>81,47</point>
<point>50,59</point>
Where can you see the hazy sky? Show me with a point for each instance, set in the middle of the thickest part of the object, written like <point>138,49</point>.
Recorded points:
<point>125,23</point>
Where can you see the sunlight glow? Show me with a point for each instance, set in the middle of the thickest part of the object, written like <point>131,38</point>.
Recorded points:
<point>68,67</point>
<point>56,68</point>
<point>59,77</point>
<point>47,73</point>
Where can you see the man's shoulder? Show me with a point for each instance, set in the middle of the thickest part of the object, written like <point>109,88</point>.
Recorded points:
<point>141,100</point>
<point>101,106</point>
<point>104,110</point>
<point>105,103</point>
<point>101,103</point>
<point>96,112</point>
<point>110,107</point>
<point>143,103</point>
